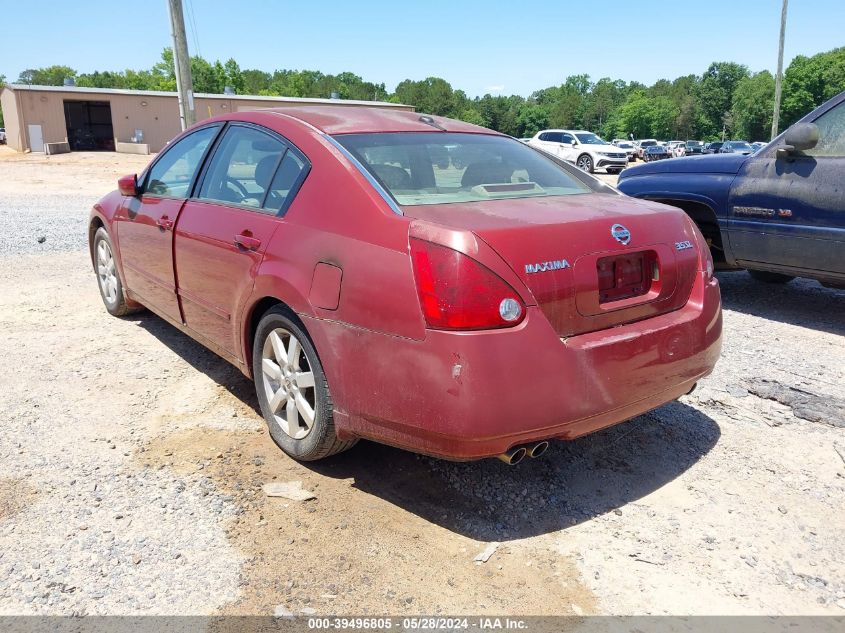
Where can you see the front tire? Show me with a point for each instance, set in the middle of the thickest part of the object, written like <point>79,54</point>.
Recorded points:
<point>111,288</point>
<point>585,162</point>
<point>292,389</point>
<point>769,277</point>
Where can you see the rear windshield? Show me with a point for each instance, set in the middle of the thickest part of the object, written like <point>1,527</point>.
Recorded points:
<point>647,143</point>
<point>443,167</point>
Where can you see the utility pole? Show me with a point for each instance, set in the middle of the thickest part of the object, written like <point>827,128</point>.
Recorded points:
<point>779,76</point>
<point>182,65</point>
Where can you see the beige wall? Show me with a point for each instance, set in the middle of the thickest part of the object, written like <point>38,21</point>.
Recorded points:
<point>11,120</point>
<point>157,116</point>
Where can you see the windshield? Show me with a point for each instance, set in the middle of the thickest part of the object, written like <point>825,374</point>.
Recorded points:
<point>624,145</point>
<point>647,143</point>
<point>588,138</point>
<point>438,168</point>
<point>694,143</point>
<point>741,146</point>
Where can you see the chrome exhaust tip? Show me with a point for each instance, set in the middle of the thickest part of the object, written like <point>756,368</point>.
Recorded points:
<point>537,449</point>
<point>513,456</point>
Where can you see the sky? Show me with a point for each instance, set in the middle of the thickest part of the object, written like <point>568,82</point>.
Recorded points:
<point>480,47</point>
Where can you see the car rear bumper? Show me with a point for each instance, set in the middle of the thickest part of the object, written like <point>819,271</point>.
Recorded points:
<point>476,394</point>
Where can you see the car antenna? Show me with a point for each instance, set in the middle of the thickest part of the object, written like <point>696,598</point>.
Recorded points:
<point>430,121</point>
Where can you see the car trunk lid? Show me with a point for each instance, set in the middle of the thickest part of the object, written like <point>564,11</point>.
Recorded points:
<point>591,261</point>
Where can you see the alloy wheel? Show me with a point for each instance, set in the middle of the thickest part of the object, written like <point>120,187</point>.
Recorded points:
<point>289,383</point>
<point>106,272</point>
<point>585,163</point>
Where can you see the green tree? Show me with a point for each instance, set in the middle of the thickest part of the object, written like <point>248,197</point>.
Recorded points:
<point>49,76</point>
<point>715,93</point>
<point>810,81</point>
<point>234,76</point>
<point>255,81</point>
<point>753,104</point>
<point>432,95</point>
<point>531,119</point>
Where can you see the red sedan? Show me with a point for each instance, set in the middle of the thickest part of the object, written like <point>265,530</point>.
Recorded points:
<point>410,279</point>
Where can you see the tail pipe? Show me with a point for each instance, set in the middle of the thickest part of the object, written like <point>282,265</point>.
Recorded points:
<point>516,454</point>
<point>513,455</point>
<point>535,450</point>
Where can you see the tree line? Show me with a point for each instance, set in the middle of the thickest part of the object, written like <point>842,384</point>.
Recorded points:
<point>727,100</point>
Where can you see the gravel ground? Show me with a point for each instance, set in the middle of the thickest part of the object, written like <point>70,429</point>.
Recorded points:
<point>132,461</point>
<point>43,223</point>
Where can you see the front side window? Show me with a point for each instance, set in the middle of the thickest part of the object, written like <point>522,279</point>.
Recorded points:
<point>172,175</point>
<point>242,168</point>
<point>444,167</point>
<point>831,133</point>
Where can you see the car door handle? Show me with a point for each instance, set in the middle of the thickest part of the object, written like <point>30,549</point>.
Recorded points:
<point>247,241</point>
<point>165,223</point>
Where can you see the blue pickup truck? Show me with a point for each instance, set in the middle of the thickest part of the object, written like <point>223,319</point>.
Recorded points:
<point>779,213</point>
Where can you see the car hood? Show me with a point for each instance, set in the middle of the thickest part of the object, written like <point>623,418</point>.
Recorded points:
<point>708,163</point>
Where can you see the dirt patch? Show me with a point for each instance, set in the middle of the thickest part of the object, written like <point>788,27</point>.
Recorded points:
<point>15,495</point>
<point>348,552</point>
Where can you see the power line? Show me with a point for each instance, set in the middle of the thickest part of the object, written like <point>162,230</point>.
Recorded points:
<point>194,31</point>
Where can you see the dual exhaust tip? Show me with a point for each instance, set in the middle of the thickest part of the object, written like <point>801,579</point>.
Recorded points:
<point>516,454</point>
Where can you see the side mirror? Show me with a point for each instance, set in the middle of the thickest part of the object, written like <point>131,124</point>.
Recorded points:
<point>799,137</point>
<point>128,185</point>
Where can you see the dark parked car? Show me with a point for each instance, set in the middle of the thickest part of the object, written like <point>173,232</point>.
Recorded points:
<point>780,212</point>
<point>694,148</point>
<point>712,148</point>
<point>372,292</point>
<point>736,147</point>
<point>655,152</point>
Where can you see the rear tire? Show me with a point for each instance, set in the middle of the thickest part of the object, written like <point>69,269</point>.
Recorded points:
<point>585,162</point>
<point>108,280</point>
<point>769,277</point>
<point>292,389</point>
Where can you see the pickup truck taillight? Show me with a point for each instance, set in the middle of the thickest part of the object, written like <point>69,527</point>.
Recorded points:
<point>459,293</point>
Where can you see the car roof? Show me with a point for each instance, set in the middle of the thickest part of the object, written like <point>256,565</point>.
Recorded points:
<point>361,120</point>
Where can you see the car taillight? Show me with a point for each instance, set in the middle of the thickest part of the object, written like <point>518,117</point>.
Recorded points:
<point>458,293</point>
<point>705,257</point>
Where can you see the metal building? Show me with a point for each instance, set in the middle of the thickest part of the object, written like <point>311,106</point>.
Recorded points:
<point>125,120</point>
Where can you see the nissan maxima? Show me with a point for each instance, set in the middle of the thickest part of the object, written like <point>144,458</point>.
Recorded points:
<point>372,289</point>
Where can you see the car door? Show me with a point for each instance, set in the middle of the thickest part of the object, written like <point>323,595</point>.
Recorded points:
<point>567,149</point>
<point>224,229</point>
<point>549,142</point>
<point>144,224</point>
<point>790,211</point>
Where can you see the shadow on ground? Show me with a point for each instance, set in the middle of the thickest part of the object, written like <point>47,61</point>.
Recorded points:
<point>573,482</point>
<point>488,500</point>
<point>801,302</point>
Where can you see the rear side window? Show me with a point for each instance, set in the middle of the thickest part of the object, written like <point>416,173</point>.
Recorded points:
<point>242,168</point>
<point>172,175</point>
<point>284,184</point>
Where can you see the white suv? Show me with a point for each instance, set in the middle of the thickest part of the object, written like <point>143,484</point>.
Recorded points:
<point>584,149</point>
<point>2,135</point>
